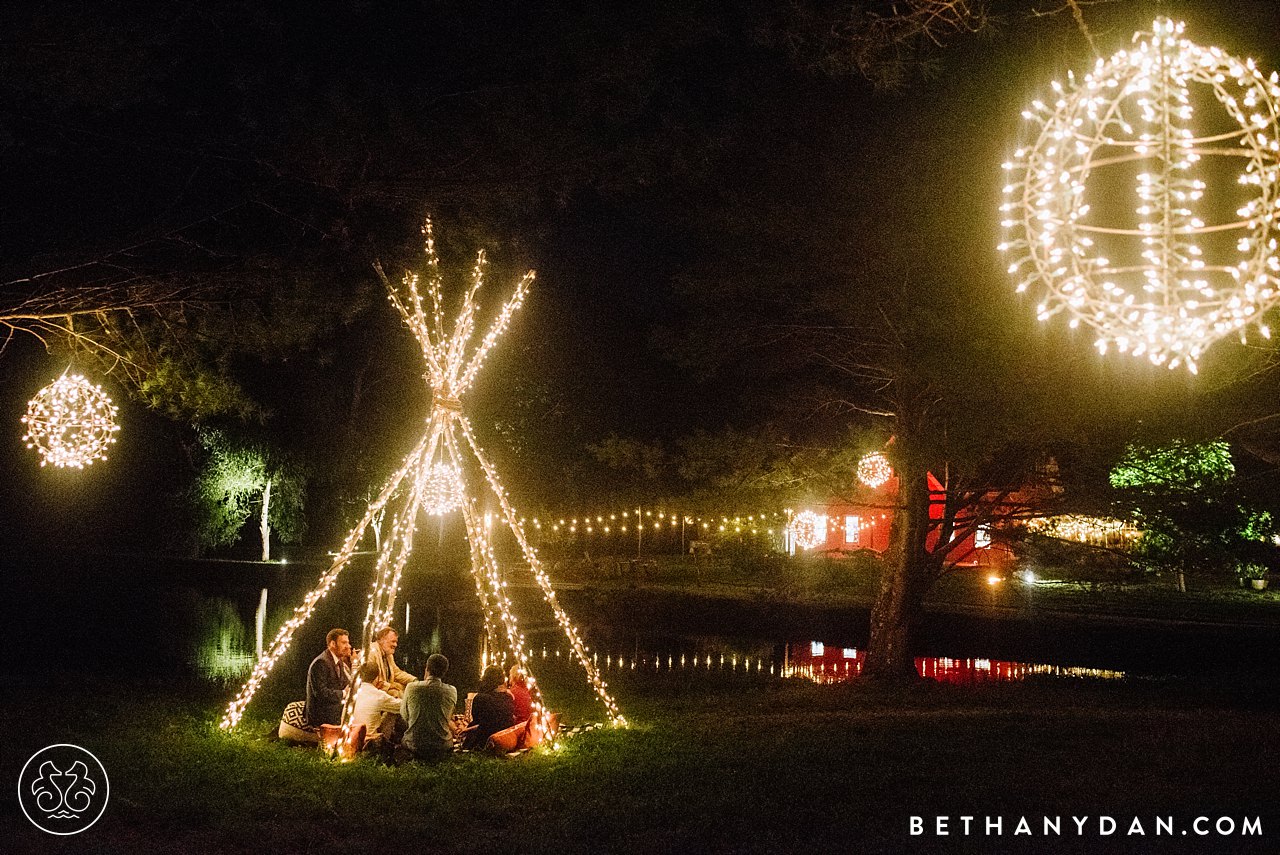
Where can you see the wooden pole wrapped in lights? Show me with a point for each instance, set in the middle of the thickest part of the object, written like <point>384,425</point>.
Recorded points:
<point>433,479</point>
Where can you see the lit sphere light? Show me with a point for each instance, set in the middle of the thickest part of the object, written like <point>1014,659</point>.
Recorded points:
<point>441,489</point>
<point>874,470</point>
<point>1146,207</point>
<point>808,529</point>
<point>71,422</point>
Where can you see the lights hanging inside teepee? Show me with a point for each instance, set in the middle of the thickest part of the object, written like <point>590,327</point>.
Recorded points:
<point>71,422</point>
<point>874,470</point>
<point>431,480</point>
<point>1146,208</point>
<point>808,530</point>
<point>441,489</point>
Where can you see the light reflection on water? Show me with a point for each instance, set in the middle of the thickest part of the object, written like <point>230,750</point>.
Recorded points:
<point>943,669</point>
<point>820,663</point>
<point>225,651</point>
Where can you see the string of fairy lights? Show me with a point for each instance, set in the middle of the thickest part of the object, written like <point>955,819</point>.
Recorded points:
<point>284,636</point>
<point>873,470</point>
<point>643,521</point>
<point>1102,531</point>
<point>432,480</point>
<point>541,577</point>
<point>808,529</point>
<point>1178,279</point>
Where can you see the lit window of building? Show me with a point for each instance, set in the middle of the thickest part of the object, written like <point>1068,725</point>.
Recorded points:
<point>852,529</point>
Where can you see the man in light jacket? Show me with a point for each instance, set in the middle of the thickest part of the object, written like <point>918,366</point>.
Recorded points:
<point>391,677</point>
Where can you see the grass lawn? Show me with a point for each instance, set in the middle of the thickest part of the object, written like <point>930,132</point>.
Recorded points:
<point>711,763</point>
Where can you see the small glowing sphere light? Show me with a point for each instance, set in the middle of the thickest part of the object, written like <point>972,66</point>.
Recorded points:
<point>441,489</point>
<point>874,470</point>
<point>808,529</point>
<point>1147,206</point>
<point>71,422</point>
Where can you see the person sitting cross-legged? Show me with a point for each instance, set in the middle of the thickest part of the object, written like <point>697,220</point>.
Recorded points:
<point>428,713</point>
<point>377,710</point>
<point>491,709</point>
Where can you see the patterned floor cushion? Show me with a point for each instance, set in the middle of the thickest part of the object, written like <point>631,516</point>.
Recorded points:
<point>293,724</point>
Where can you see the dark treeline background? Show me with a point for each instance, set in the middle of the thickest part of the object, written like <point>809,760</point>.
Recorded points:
<point>693,181</point>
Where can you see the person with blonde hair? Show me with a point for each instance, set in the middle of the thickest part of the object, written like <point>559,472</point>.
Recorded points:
<point>521,699</point>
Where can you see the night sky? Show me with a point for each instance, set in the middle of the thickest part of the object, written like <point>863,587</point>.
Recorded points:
<point>649,162</point>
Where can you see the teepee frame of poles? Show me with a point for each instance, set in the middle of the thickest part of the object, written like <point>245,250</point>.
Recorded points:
<point>431,479</point>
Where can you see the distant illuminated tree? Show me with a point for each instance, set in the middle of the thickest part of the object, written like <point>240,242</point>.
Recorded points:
<point>239,479</point>
<point>1192,512</point>
<point>1180,465</point>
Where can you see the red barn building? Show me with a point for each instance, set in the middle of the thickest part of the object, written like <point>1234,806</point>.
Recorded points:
<point>863,521</point>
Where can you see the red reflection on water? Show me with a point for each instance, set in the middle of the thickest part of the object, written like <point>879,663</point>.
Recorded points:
<point>823,664</point>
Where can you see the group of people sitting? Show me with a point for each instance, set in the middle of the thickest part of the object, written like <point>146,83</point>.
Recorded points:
<point>406,717</point>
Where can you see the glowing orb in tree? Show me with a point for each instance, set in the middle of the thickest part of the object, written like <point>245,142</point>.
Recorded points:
<point>808,529</point>
<point>1146,207</point>
<point>70,422</point>
<point>874,470</point>
<point>441,488</point>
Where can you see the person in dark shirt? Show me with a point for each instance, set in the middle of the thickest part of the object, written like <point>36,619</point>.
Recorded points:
<point>327,679</point>
<point>491,709</point>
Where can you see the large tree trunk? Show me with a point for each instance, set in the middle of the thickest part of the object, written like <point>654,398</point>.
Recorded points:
<point>908,574</point>
<point>893,621</point>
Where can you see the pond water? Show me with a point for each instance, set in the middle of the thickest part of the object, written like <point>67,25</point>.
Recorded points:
<point>225,650</point>
<point>808,660</point>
